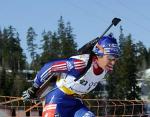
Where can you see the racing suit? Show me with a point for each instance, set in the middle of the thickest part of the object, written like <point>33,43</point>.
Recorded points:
<point>60,102</point>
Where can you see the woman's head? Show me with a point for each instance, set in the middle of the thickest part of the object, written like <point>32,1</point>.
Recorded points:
<point>107,52</point>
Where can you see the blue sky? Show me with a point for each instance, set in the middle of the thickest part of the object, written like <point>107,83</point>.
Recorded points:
<point>89,18</point>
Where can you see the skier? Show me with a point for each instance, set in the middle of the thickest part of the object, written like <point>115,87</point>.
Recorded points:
<point>75,75</point>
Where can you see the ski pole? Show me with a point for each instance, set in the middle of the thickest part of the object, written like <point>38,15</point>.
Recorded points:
<point>10,101</point>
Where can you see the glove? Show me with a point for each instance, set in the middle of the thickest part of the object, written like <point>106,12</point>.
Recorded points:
<point>30,93</point>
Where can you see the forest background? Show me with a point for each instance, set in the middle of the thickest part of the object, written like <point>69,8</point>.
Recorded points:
<point>16,71</point>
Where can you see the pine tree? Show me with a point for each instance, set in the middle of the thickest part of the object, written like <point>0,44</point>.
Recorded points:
<point>62,36</point>
<point>32,46</point>
<point>122,84</point>
<point>59,44</point>
<point>45,56</point>
<point>11,52</point>
<point>68,45</point>
<point>5,48</point>
<point>142,56</point>
<point>15,50</point>
<point>148,60</point>
<point>72,45</point>
<point>129,57</point>
<point>46,39</point>
<point>55,47</point>
<point>1,47</point>
<point>12,59</point>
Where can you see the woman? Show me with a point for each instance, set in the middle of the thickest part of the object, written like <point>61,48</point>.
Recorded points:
<point>75,75</point>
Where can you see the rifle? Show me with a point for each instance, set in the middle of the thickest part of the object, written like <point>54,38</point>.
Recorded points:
<point>87,48</point>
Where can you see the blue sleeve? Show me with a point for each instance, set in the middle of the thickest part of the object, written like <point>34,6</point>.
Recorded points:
<point>70,66</point>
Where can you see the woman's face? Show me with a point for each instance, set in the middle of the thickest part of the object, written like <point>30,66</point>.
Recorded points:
<point>106,62</point>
